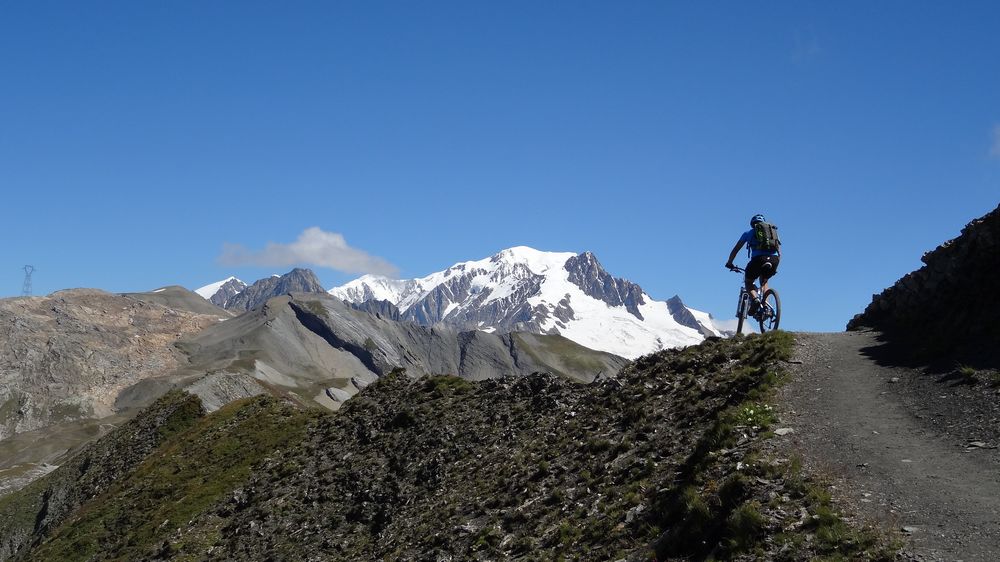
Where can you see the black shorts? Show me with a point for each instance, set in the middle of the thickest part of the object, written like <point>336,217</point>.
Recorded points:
<point>761,266</point>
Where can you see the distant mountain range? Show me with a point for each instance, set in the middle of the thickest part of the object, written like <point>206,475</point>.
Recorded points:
<point>517,290</point>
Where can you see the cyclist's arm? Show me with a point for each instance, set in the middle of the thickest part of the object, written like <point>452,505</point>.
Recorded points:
<point>736,250</point>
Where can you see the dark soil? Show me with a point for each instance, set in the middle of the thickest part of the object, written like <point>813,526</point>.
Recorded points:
<point>912,448</point>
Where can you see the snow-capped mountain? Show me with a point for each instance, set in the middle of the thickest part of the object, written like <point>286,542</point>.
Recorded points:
<point>523,289</point>
<point>221,292</point>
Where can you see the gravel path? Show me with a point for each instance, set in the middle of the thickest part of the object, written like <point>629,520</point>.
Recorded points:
<point>901,446</point>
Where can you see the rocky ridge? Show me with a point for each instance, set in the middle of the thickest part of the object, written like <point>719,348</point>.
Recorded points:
<point>297,280</point>
<point>683,316</point>
<point>227,291</point>
<point>588,274</point>
<point>178,298</point>
<point>949,307</point>
<point>38,509</point>
<point>380,308</point>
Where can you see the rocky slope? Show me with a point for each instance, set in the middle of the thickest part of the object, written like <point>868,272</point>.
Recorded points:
<point>179,298</point>
<point>36,510</point>
<point>65,357</point>
<point>664,460</point>
<point>380,308</point>
<point>319,350</point>
<point>949,307</point>
<point>79,362</point>
<point>522,289</point>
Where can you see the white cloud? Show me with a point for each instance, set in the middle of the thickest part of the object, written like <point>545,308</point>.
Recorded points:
<point>314,247</point>
<point>995,149</point>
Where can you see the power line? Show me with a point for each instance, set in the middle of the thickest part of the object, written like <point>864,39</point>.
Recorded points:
<point>28,270</point>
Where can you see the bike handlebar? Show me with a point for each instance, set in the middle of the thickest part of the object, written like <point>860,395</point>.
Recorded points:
<point>737,269</point>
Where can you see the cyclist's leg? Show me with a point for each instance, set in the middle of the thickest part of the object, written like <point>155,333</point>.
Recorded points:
<point>752,274</point>
<point>767,271</point>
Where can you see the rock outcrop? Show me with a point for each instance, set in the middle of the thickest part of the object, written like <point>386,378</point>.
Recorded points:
<point>227,291</point>
<point>950,306</point>
<point>380,308</point>
<point>683,316</point>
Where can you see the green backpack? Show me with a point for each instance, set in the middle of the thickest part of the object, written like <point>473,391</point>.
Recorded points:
<point>767,236</point>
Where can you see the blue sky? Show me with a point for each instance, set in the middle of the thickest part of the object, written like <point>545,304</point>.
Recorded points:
<point>138,139</point>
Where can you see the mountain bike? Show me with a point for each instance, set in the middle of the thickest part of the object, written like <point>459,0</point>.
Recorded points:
<point>769,313</point>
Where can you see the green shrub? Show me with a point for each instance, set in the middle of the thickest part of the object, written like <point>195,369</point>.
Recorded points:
<point>695,512</point>
<point>744,527</point>
<point>568,534</point>
<point>403,419</point>
<point>598,445</point>
<point>968,375</point>
<point>447,384</point>
<point>733,490</point>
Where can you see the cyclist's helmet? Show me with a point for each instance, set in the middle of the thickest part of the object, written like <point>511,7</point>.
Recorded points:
<point>756,219</point>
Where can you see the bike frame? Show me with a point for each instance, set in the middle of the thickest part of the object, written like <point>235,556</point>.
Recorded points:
<point>768,316</point>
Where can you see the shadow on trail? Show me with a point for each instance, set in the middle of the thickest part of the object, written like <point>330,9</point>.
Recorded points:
<point>944,363</point>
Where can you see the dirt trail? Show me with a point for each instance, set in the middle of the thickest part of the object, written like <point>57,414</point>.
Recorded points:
<point>894,442</point>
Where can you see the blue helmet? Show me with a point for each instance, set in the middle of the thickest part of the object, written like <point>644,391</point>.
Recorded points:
<point>756,219</point>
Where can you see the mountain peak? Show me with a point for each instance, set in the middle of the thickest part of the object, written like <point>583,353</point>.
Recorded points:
<point>233,294</point>
<point>536,260</point>
<point>303,277</point>
<point>220,292</point>
<point>528,290</point>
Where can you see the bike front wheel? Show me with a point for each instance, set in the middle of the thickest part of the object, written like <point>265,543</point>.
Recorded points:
<point>770,311</point>
<point>741,311</point>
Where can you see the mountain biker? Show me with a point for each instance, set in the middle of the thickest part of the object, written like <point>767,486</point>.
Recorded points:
<point>763,262</point>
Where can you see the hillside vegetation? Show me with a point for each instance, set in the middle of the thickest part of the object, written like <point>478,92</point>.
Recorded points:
<point>664,460</point>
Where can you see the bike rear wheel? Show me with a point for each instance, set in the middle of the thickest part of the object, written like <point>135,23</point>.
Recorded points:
<point>770,311</point>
